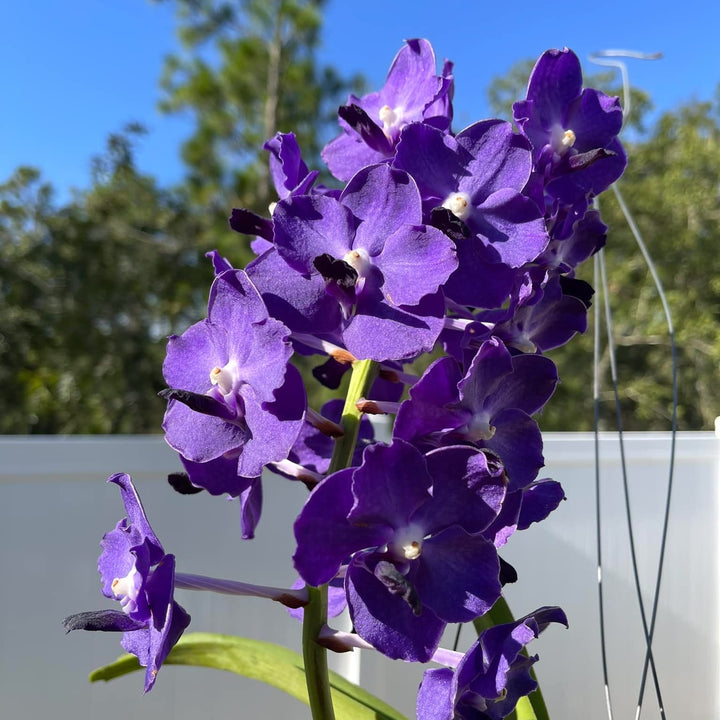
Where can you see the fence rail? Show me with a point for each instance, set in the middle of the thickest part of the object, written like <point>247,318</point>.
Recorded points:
<point>55,507</point>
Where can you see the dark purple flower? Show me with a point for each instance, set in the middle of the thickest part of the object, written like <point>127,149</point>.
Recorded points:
<point>491,677</point>
<point>379,265</point>
<point>550,317</point>
<point>410,527</point>
<point>413,92</point>
<point>135,570</point>
<point>232,392</point>
<point>478,176</point>
<point>573,131</point>
<point>490,406</point>
<point>586,236</point>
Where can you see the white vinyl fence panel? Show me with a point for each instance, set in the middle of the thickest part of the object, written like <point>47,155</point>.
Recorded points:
<point>55,507</point>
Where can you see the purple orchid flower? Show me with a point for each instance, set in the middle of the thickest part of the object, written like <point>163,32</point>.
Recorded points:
<point>382,268</point>
<point>548,318</point>
<point>232,392</point>
<point>491,677</point>
<point>410,527</point>
<point>490,406</point>
<point>135,570</point>
<point>413,92</point>
<point>478,177</point>
<point>586,236</point>
<point>573,131</point>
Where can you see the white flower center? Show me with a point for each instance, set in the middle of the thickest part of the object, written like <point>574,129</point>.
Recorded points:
<point>412,550</point>
<point>562,140</point>
<point>408,543</point>
<point>223,378</point>
<point>523,344</point>
<point>480,428</point>
<point>391,119</point>
<point>126,590</point>
<point>458,204</point>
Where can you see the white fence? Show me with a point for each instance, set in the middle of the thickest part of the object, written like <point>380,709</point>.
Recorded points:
<point>55,507</point>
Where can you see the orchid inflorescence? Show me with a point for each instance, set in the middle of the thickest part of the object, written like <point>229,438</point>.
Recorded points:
<point>463,241</point>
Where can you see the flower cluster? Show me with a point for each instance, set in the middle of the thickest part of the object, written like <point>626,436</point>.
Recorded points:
<point>463,241</point>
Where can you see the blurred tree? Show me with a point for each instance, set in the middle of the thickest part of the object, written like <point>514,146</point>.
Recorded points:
<point>88,294</point>
<point>89,291</point>
<point>672,188</point>
<point>248,71</point>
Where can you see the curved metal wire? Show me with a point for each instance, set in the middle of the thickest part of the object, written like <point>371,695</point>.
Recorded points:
<point>598,523</point>
<point>603,58</point>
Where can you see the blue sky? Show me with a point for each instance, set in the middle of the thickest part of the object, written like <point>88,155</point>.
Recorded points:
<point>77,70</point>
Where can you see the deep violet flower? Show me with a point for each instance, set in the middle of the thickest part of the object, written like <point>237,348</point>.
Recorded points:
<point>478,176</point>
<point>489,406</point>
<point>413,92</point>
<point>491,677</point>
<point>135,570</point>
<point>232,392</point>
<point>410,528</point>
<point>382,270</point>
<point>573,130</point>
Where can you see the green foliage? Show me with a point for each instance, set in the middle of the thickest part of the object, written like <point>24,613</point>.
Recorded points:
<point>248,71</point>
<point>272,664</point>
<point>88,293</point>
<point>672,188</point>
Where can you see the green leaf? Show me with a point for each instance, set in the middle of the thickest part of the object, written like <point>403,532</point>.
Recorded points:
<point>269,663</point>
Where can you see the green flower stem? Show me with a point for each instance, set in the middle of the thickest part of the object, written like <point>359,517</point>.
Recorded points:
<point>315,656</point>
<point>315,614</point>
<point>533,707</point>
<point>363,374</point>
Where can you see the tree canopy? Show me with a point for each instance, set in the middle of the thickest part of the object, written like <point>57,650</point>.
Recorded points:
<point>90,289</point>
<point>672,188</point>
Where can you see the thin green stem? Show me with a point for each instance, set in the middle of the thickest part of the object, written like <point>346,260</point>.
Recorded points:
<point>315,615</point>
<point>315,656</point>
<point>363,374</point>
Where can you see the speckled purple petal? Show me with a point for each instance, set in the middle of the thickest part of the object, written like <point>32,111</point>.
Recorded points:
<point>383,198</point>
<point>457,575</point>
<point>466,492</point>
<point>435,696</point>
<point>518,443</point>
<point>274,426</point>
<point>297,300</point>
<point>381,332</point>
<point>538,501</point>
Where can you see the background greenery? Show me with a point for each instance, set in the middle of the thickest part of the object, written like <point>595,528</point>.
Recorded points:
<point>90,289</point>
